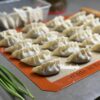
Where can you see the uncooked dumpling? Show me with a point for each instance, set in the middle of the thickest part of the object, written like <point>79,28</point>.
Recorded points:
<point>56,43</point>
<point>38,31</point>
<point>71,31</point>
<point>26,43</point>
<point>79,37</point>
<point>28,27</point>
<point>38,59</point>
<point>80,57</point>
<point>66,25</point>
<point>92,23</point>
<point>49,68</point>
<point>94,39</point>
<point>55,22</point>
<point>9,41</point>
<point>96,29</point>
<point>26,52</point>
<point>7,33</point>
<point>78,18</point>
<point>22,14</point>
<point>96,47</point>
<point>65,51</point>
<point>47,37</point>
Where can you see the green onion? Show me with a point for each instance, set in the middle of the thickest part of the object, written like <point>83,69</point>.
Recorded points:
<point>12,84</point>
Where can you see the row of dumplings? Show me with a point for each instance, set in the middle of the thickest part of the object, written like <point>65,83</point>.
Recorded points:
<point>43,47</point>
<point>20,17</point>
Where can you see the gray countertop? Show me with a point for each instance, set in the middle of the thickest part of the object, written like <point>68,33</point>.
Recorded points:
<point>86,89</point>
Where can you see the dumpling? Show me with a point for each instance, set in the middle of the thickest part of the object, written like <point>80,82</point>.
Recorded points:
<point>9,41</point>
<point>66,25</point>
<point>94,39</point>
<point>96,29</point>
<point>55,22</point>
<point>26,43</point>
<point>89,17</point>
<point>22,14</point>
<point>47,37</point>
<point>80,57</point>
<point>11,22</point>
<point>26,52</point>
<point>78,18</point>
<point>3,21</point>
<point>92,23</point>
<point>7,33</point>
<point>34,25</point>
<point>51,45</point>
<point>96,47</point>
<point>65,51</point>
<point>79,37</point>
<point>49,68</point>
<point>38,59</point>
<point>71,31</point>
<point>38,31</point>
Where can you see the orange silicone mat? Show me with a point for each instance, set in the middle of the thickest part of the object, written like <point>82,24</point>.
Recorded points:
<point>46,85</point>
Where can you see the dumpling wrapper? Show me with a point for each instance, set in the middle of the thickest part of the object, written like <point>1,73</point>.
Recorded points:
<point>51,45</point>
<point>46,38</point>
<point>65,51</point>
<point>81,57</point>
<point>37,59</point>
<point>26,52</point>
<point>96,47</point>
<point>38,31</point>
<point>20,45</point>
<point>79,37</point>
<point>47,69</point>
<point>9,41</point>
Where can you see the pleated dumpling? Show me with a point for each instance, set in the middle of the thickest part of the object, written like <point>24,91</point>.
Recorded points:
<point>96,29</point>
<point>38,31</point>
<point>56,43</point>
<point>55,22</point>
<point>38,59</point>
<point>22,14</point>
<point>65,25</point>
<point>79,37</point>
<point>71,31</point>
<point>80,57</point>
<point>91,23</point>
<point>9,41</point>
<point>96,47</point>
<point>7,33</point>
<point>94,39</point>
<point>26,52</point>
<point>78,18</point>
<point>28,27</point>
<point>67,50</point>
<point>26,43</point>
<point>49,68</point>
<point>47,37</point>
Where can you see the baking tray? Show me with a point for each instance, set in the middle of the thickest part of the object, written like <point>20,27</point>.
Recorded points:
<point>62,80</point>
